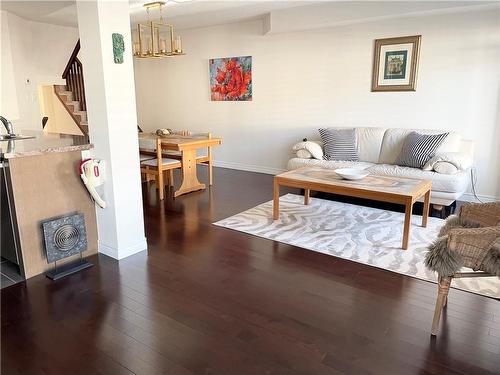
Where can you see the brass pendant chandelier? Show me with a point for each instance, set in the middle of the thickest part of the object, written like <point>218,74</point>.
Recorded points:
<point>156,38</point>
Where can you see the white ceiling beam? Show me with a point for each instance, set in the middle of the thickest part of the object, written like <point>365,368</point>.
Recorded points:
<point>334,14</point>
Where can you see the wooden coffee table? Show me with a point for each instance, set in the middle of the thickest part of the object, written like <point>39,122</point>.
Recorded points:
<point>399,190</point>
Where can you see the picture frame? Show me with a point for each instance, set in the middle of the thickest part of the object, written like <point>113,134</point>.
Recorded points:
<point>231,78</point>
<point>395,63</point>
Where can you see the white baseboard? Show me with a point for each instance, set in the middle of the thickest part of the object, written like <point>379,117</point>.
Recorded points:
<point>248,167</point>
<point>467,197</point>
<point>122,253</point>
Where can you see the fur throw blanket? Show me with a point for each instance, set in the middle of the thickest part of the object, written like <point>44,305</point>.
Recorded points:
<point>445,262</point>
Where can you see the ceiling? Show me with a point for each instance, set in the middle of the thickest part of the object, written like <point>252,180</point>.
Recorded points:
<point>198,13</point>
<point>55,12</point>
<point>182,13</point>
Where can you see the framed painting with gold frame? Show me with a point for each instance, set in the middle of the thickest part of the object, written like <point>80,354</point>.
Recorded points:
<point>395,63</point>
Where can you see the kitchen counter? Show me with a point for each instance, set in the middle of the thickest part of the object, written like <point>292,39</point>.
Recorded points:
<point>42,143</point>
<point>41,181</point>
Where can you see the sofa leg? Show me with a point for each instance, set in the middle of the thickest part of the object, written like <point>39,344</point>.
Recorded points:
<point>439,210</point>
<point>442,298</point>
<point>437,207</point>
<point>449,210</point>
<point>444,211</point>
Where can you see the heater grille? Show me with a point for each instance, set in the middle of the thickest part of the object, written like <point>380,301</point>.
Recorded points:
<point>64,237</point>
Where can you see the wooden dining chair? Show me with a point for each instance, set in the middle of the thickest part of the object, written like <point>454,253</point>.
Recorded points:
<point>142,158</point>
<point>145,154</point>
<point>160,166</point>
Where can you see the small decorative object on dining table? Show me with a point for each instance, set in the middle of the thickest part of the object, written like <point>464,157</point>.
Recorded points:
<point>231,79</point>
<point>118,48</point>
<point>395,63</point>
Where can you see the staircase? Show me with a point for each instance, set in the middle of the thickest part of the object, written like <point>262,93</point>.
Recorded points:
<point>72,95</point>
<point>73,107</point>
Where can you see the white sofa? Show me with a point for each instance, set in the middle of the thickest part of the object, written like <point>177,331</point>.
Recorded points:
<point>378,149</point>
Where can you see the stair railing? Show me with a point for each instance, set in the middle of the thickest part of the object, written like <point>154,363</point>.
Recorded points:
<point>73,74</point>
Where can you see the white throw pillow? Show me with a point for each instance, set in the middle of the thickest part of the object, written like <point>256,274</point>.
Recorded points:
<point>304,154</point>
<point>314,148</point>
<point>445,167</point>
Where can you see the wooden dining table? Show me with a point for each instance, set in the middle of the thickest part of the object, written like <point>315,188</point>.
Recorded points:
<point>187,146</point>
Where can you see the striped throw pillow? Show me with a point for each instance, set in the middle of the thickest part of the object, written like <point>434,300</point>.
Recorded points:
<point>339,144</point>
<point>418,149</point>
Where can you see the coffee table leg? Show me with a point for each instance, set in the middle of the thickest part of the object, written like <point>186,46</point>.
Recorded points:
<point>276,202</point>
<point>407,225</point>
<point>425,213</point>
<point>306,196</point>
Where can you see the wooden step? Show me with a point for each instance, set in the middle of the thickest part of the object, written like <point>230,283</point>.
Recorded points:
<point>74,106</point>
<point>82,115</point>
<point>59,88</point>
<point>67,96</point>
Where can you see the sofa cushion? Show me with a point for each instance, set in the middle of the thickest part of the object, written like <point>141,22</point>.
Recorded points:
<point>393,140</point>
<point>330,164</point>
<point>418,149</point>
<point>368,143</point>
<point>339,144</point>
<point>454,183</point>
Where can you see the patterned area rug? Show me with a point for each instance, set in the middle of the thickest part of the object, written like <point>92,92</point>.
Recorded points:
<point>362,234</point>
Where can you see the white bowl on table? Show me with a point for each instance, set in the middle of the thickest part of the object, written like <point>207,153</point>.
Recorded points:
<point>351,173</point>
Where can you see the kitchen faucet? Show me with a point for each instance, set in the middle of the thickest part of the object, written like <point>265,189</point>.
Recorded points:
<point>8,125</point>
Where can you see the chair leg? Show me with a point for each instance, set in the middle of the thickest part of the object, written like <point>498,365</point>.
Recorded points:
<point>171,177</point>
<point>210,175</point>
<point>159,185</point>
<point>166,178</point>
<point>443,289</point>
<point>149,176</point>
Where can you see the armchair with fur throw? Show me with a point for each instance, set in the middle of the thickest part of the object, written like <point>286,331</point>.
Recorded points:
<point>471,239</point>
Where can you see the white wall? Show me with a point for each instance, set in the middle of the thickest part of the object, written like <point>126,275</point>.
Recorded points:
<point>32,51</point>
<point>8,97</point>
<point>304,80</point>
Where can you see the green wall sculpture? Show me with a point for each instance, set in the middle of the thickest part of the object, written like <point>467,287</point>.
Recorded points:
<point>118,48</point>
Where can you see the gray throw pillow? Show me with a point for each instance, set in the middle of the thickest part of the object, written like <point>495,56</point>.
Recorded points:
<point>418,149</point>
<point>339,144</point>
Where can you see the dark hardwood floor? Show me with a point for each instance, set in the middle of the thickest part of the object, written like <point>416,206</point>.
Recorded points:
<point>208,300</point>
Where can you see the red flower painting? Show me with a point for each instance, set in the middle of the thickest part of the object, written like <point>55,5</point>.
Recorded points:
<point>231,78</point>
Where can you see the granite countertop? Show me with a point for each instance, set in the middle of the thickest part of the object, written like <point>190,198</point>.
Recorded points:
<point>42,143</point>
